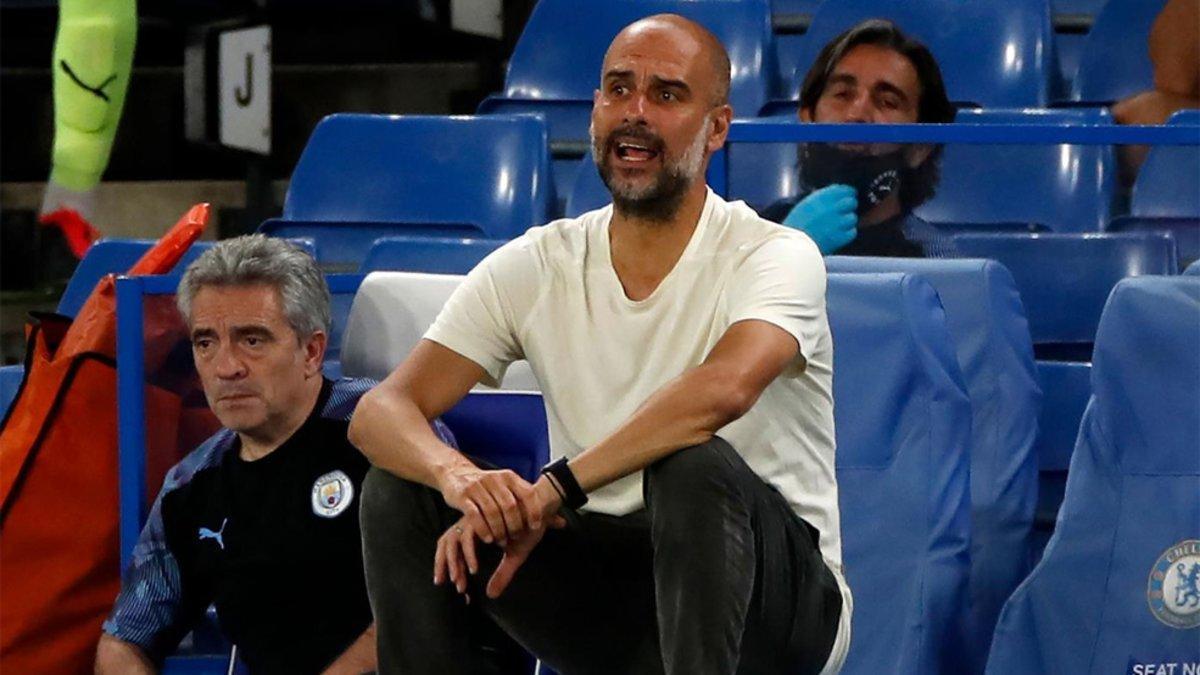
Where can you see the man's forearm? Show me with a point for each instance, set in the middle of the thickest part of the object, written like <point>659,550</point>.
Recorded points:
<point>358,658</point>
<point>117,657</point>
<point>687,411</point>
<point>395,436</point>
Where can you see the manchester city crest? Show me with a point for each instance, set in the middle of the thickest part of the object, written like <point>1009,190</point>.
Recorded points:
<point>1174,587</point>
<point>332,494</point>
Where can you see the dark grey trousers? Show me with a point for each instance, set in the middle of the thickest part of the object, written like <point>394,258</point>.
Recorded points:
<point>716,575</point>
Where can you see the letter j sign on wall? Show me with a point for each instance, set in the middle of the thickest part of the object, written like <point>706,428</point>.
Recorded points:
<point>245,86</point>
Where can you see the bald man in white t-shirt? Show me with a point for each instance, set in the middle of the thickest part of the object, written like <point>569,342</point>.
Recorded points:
<point>688,522</point>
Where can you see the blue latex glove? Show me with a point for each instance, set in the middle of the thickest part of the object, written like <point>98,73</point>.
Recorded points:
<point>827,216</point>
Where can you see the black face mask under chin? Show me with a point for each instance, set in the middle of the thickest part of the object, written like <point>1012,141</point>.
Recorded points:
<point>873,177</point>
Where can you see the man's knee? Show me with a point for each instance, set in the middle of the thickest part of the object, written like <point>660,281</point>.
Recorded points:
<point>709,470</point>
<point>392,508</point>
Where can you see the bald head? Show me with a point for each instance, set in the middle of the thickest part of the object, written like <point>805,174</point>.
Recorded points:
<point>690,39</point>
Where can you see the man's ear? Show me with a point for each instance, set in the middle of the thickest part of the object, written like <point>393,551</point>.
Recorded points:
<point>916,154</point>
<point>720,128</point>
<point>314,353</point>
<point>806,114</point>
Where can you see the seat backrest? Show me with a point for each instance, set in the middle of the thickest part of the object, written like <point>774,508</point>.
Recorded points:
<point>990,336</point>
<point>762,173</point>
<point>506,428</point>
<point>1065,279</point>
<point>390,314</point>
<point>1118,588</point>
<point>995,54</point>
<point>1193,270</point>
<point>903,430</point>
<point>112,256</point>
<point>1115,62</point>
<point>433,255</point>
<point>10,384</point>
<point>477,176</point>
<point>1168,184</point>
<point>1067,188</point>
<point>561,50</point>
<point>1066,388</point>
<point>1185,230</point>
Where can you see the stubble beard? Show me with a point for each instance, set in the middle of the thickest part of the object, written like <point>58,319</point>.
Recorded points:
<point>659,200</point>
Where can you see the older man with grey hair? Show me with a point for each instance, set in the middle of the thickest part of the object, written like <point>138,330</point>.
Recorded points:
<point>261,520</point>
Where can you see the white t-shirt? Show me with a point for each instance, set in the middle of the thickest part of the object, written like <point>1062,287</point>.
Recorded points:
<point>553,298</point>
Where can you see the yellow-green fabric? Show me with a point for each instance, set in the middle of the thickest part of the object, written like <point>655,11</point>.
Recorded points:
<point>93,56</point>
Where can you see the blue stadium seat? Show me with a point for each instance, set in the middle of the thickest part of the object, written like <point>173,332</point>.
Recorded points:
<point>434,255</point>
<point>1111,593</point>
<point>789,49</point>
<point>556,64</point>
<point>10,384</point>
<point>1193,270</point>
<point>1069,47</point>
<point>993,54</point>
<point>1185,230</point>
<point>903,434</point>
<point>362,177</point>
<point>1066,387</point>
<point>390,314</point>
<point>1067,188</point>
<point>1065,279</point>
<point>112,256</point>
<point>1116,60</point>
<point>1168,184</point>
<point>506,428</point>
<point>762,173</point>
<point>991,339</point>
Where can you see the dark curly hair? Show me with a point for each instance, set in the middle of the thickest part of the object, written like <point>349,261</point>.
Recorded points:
<point>916,185</point>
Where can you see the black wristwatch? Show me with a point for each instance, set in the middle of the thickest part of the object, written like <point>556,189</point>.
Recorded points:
<point>562,480</point>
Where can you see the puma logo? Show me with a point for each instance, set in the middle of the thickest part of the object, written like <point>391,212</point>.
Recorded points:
<point>95,91</point>
<point>206,533</point>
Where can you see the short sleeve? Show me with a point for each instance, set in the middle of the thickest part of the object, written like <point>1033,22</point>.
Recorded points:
<point>153,610</point>
<point>482,319</point>
<point>782,282</point>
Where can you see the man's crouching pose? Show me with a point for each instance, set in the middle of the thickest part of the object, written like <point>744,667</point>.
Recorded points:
<point>683,349</point>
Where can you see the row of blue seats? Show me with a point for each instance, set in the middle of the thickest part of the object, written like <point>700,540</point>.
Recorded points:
<point>1079,31</point>
<point>1063,279</point>
<point>491,176</point>
<point>993,54</point>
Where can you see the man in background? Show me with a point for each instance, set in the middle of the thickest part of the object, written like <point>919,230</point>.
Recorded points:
<point>859,199</point>
<point>262,519</point>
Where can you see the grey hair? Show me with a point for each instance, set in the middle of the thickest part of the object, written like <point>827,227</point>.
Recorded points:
<point>258,259</point>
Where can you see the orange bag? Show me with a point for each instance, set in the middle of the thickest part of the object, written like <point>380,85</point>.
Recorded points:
<point>59,562</point>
